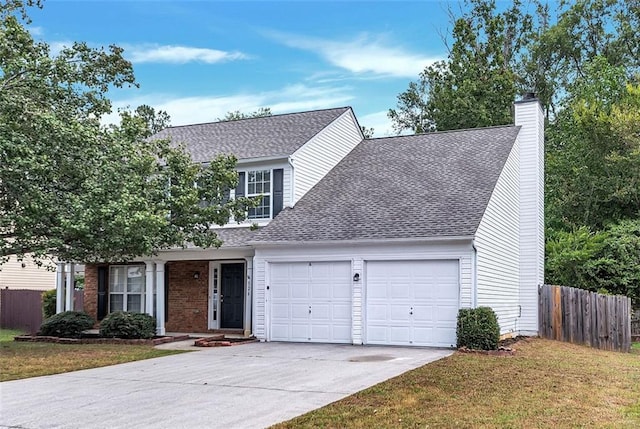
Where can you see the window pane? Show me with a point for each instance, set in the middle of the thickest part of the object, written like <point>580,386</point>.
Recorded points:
<point>134,303</point>
<point>251,188</point>
<point>135,279</point>
<point>117,279</point>
<point>115,302</point>
<point>267,176</point>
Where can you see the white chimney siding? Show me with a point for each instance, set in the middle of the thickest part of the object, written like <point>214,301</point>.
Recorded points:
<point>529,115</point>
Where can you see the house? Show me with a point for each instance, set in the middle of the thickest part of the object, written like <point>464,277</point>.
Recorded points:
<point>375,241</point>
<point>26,274</point>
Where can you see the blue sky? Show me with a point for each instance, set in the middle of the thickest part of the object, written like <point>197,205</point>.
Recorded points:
<point>200,59</point>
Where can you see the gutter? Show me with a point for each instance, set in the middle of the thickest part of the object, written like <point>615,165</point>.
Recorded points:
<point>362,241</point>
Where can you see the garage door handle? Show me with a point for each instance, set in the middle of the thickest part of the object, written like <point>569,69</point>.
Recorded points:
<point>309,310</point>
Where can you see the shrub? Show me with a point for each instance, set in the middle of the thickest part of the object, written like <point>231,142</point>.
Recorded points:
<point>478,328</point>
<point>68,324</point>
<point>122,324</point>
<point>49,303</point>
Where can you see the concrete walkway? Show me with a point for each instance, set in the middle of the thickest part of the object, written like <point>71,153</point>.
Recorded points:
<point>245,386</point>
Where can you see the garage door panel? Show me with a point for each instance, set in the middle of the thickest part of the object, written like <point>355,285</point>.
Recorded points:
<point>319,300</point>
<point>399,291</point>
<point>412,302</point>
<point>299,311</point>
<point>342,312</point>
<point>399,313</point>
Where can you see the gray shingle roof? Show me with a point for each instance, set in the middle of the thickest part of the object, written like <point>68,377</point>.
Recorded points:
<point>278,135</point>
<point>423,186</point>
<point>235,237</point>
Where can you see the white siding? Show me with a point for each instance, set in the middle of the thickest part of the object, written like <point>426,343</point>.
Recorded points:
<point>287,186</point>
<point>357,255</point>
<point>529,115</point>
<point>14,276</point>
<point>320,154</point>
<point>498,245</point>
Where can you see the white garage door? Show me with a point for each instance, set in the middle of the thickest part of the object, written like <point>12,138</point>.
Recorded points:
<point>412,302</point>
<point>310,302</point>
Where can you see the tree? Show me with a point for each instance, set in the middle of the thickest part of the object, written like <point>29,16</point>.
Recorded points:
<point>75,190</point>
<point>155,121</point>
<point>367,132</point>
<point>593,151</point>
<point>476,85</point>
<point>236,115</point>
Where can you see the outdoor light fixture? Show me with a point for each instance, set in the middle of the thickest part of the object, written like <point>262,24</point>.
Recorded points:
<point>356,277</point>
<point>196,275</point>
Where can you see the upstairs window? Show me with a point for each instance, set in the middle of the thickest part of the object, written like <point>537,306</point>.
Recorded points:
<point>259,183</point>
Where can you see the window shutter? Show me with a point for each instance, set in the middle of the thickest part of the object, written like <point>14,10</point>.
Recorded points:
<point>102,292</point>
<point>240,187</point>
<point>278,187</point>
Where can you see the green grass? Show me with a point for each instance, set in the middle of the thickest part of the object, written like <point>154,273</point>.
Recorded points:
<point>635,347</point>
<point>20,360</point>
<point>546,384</point>
<point>8,334</point>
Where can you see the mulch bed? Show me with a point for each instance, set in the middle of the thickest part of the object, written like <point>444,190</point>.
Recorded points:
<point>220,340</point>
<point>58,340</point>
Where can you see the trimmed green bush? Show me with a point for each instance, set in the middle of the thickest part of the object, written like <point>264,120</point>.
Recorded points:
<point>68,324</point>
<point>478,329</point>
<point>122,324</point>
<point>49,303</point>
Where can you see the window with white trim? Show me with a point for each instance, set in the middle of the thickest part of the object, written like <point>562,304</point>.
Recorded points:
<point>126,288</point>
<point>259,183</point>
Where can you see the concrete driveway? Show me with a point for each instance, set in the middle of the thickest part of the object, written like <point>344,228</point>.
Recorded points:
<point>245,386</point>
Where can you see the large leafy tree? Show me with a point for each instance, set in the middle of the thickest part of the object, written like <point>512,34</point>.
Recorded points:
<point>476,85</point>
<point>73,189</point>
<point>593,151</point>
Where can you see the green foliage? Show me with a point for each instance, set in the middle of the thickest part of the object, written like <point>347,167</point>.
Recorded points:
<point>77,190</point>
<point>49,303</point>
<point>593,151</point>
<point>478,328</point>
<point>476,85</point>
<point>236,115</point>
<point>68,324</point>
<point>605,260</point>
<point>122,324</point>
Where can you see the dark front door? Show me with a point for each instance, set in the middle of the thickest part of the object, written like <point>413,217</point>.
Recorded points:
<point>232,288</point>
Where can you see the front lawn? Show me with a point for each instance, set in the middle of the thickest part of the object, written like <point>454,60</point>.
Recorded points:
<point>23,360</point>
<point>546,384</point>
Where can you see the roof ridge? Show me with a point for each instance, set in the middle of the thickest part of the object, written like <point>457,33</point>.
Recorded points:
<point>260,117</point>
<point>445,132</point>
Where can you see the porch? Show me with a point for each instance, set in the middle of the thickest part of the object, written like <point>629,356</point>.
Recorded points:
<point>195,292</point>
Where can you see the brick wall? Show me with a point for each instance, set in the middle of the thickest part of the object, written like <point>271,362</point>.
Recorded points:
<point>187,299</point>
<point>91,290</point>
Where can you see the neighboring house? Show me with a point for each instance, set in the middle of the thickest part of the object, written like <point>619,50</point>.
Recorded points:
<point>375,241</point>
<point>25,274</point>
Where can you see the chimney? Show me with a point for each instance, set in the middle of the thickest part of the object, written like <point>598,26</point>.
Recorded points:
<point>529,116</point>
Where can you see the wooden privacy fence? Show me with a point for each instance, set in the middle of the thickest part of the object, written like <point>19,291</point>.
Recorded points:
<point>583,317</point>
<point>22,308</point>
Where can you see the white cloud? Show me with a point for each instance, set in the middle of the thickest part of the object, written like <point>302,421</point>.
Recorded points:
<point>192,110</point>
<point>364,54</point>
<point>179,54</point>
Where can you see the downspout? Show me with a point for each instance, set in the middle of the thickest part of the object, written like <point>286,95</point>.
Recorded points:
<point>292,196</point>
<point>474,274</point>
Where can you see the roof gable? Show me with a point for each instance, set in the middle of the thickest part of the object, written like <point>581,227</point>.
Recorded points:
<point>422,186</point>
<point>269,136</point>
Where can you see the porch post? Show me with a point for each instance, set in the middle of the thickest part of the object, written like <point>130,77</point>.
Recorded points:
<point>148,287</point>
<point>248,297</point>
<point>160,298</point>
<point>59,287</point>
<point>70,273</point>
